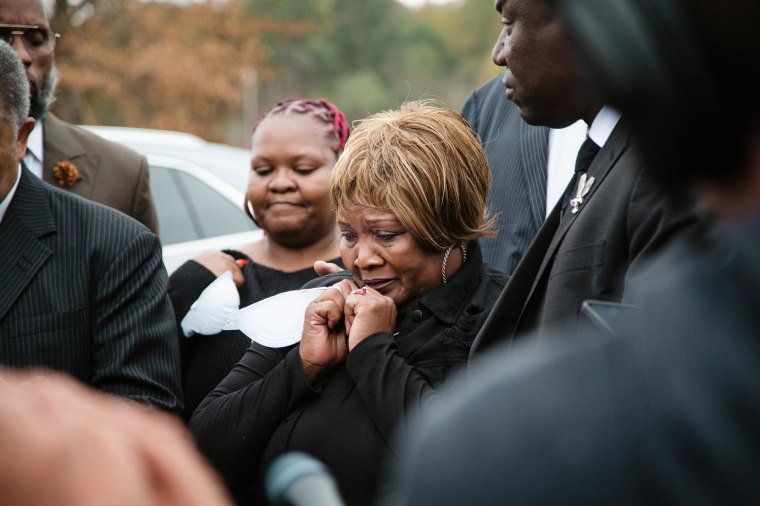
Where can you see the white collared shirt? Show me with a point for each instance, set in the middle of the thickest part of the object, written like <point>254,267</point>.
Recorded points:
<point>33,155</point>
<point>564,144</point>
<point>604,123</point>
<point>5,204</point>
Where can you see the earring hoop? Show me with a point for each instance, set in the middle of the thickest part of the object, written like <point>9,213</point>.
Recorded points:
<point>249,211</point>
<point>446,254</point>
<point>445,261</point>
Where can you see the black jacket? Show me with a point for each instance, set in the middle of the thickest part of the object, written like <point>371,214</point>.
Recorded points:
<point>264,407</point>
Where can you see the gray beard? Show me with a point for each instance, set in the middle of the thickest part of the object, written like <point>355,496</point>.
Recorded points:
<point>44,96</point>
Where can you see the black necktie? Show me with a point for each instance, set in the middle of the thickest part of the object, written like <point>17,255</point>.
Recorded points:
<point>586,155</point>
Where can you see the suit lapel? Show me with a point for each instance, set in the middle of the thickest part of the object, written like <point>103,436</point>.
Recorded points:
<point>600,167</point>
<point>534,147</point>
<point>28,218</point>
<point>59,144</point>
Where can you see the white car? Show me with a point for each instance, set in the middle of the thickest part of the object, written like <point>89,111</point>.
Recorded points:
<point>198,188</point>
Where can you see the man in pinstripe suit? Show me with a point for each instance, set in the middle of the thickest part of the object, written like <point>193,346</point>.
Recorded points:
<point>83,286</point>
<point>517,153</point>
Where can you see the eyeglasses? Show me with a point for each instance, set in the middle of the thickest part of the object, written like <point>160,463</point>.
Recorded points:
<point>37,41</point>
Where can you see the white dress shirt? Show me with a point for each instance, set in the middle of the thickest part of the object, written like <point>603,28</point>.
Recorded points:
<point>604,123</point>
<point>33,155</point>
<point>564,144</point>
<point>7,200</point>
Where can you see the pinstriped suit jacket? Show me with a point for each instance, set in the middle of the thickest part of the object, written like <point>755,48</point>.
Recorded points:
<point>624,218</point>
<point>84,292</point>
<point>517,153</point>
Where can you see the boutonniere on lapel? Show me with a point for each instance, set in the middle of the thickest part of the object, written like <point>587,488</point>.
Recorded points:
<point>66,173</point>
<point>584,185</point>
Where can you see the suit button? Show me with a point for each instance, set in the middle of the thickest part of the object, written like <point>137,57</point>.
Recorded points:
<point>416,316</point>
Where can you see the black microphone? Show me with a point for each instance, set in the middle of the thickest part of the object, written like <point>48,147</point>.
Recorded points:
<point>298,479</point>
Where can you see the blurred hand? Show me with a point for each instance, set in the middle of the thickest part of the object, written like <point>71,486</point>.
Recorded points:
<point>219,263</point>
<point>68,445</point>
<point>323,342</point>
<point>368,311</point>
<point>323,268</point>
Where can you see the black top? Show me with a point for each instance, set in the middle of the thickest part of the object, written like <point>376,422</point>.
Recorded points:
<point>206,360</point>
<point>264,407</point>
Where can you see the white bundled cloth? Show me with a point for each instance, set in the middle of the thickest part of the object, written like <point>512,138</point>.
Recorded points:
<point>276,321</point>
<point>209,312</point>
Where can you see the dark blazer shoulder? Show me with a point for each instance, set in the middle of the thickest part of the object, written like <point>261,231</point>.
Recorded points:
<point>517,154</point>
<point>487,108</point>
<point>62,136</point>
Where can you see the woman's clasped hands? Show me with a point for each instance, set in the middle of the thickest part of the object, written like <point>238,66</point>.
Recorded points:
<point>339,320</point>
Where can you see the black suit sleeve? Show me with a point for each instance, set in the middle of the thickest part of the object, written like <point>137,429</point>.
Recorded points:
<point>652,221</point>
<point>389,386</point>
<point>135,353</point>
<point>234,423</point>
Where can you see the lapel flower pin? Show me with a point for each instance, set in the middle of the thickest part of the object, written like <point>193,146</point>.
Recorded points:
<point>66,173</point>
<point>584,186</point>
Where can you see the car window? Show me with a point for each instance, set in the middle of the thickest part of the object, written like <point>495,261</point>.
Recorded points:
<point>189,209</point>
<point>174,220</point>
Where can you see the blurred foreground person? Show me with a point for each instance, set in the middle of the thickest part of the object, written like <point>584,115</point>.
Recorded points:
<point>63,154</point>
<point>83,287</point>
<point>410,192</point>
<point>668,413</point>
<point>64,444</point>
<point>293,149</point>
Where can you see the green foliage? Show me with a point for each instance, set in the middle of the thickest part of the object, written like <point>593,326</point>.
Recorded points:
<point>390,51</point>
<point>360,94</point>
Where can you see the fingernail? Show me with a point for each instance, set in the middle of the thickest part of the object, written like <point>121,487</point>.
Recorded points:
<point>241,262</point>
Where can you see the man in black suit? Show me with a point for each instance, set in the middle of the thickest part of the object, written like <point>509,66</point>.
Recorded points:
<point>105,172</point>
<point>83,286</point>
<point>668,413</point>
<point>611,216</point>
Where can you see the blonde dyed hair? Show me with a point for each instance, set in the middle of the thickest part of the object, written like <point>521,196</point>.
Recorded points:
<point>423,164</point>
